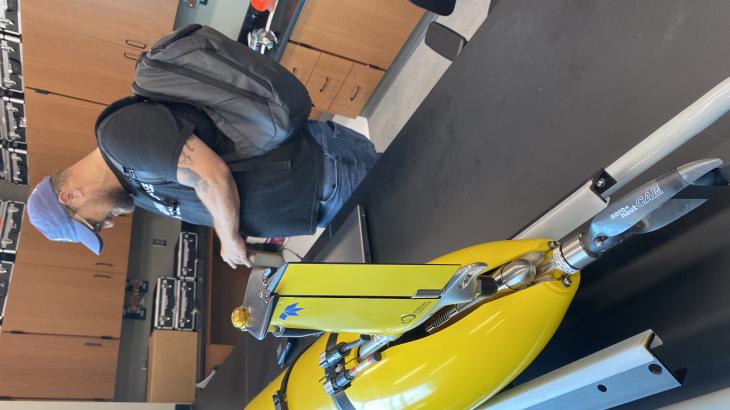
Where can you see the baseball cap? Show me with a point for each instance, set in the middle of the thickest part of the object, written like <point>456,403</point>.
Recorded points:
<point>47,215</point>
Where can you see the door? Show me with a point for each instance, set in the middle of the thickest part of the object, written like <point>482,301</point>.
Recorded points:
<point>326,80</point>
<point>57,367</point>
<point>35,248</point>
<point>300,61</point>
<point>75,65</point>
<point>61,301</point>
<point>356,90</point>
<point>133,23</point>
<point>371,32</point>
<point>60,131</point>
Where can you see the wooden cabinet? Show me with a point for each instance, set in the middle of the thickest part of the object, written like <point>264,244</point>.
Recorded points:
<point>172,366</point>
<point>87,49</point>
<point>335,34</point>
<point>57,367</point>
<point>335,84</point>
<point>326,79</point>
<point>133,23</point>
<point>300,61</point>
<point>62,301</point>
<point>356,90</point>
<point>36,249</point>
<point>60,132</point>
<point>371,32</point>
<point>75,65</point>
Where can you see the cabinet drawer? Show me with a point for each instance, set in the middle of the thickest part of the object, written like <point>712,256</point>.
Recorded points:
<point>300,61</point>
<point>134,23</point>
<point>57,367</point>
<point>60,131</point>
<point>37,249</point>
<point>356,90</point>
<point>77,66</point>
<point>61,301</point>
<point>326,79</point>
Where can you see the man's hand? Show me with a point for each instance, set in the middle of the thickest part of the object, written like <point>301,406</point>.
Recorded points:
<point>234,253</point>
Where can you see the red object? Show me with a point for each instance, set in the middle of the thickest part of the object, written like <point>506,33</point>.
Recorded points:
<point>263,5</point>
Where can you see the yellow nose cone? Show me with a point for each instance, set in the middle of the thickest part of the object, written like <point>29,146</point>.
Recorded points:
<point>240,317</point>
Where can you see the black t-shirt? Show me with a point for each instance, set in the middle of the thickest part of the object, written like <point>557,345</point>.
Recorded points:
<point>149,136</point>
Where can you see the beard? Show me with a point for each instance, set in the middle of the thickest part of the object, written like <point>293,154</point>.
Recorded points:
<point>118,200</point>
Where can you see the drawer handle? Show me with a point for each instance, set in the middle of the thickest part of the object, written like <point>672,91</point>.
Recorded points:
<point>354,95</point>
<point>136,44</point>
<point>108,265</point>
<point>131,56</point>
<point>326,81</point>
<point>90,344</point>
<point>102,276</point>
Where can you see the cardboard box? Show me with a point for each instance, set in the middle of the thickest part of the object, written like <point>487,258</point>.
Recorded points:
<point>172,366</point>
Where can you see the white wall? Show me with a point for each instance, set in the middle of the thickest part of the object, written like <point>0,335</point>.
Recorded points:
<point>69,405</point>
<point>225,16</point>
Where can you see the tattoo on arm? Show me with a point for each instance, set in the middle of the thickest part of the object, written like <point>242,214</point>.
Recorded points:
<point>199,167</point>
<point>187,176</point>
<point>186,158</point>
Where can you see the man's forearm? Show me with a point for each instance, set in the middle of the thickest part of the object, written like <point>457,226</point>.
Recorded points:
<point>220,197</point>
<point>203,170</point>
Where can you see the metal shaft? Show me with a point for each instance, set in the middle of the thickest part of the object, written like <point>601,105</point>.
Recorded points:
<point>670,136</point>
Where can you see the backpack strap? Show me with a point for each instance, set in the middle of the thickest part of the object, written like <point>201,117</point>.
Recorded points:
<point>236,162</point>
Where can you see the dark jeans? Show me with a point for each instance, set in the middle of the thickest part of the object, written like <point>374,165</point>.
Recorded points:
<point>348,156</point>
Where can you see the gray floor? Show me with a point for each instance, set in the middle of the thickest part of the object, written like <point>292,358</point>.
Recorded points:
<point>419,73</point>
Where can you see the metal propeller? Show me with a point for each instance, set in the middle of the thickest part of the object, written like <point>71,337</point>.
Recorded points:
<point>648,207</point>
<point>645,209</point>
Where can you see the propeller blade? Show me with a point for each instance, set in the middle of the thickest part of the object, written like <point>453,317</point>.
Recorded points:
<point>668,213</point>
<point>629,210</point>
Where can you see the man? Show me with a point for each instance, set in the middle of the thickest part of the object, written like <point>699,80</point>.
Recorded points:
<point>178,150</point>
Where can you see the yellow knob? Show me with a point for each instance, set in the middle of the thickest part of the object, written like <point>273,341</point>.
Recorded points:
<point>241,316</point>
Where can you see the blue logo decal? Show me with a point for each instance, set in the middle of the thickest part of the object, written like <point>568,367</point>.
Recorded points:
<point>290,310</point>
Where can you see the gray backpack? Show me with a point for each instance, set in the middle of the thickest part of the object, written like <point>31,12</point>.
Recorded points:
<point>253,100</point>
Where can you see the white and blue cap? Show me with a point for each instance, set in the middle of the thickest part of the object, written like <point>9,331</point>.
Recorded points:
<point>47,214</point>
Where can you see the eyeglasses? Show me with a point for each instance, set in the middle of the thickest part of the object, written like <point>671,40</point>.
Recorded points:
<point>95,227</point>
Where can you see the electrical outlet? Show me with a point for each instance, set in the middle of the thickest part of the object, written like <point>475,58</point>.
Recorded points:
<point>159,242</point>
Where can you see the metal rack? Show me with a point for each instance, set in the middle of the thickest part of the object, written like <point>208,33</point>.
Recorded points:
<point>13,143</point>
